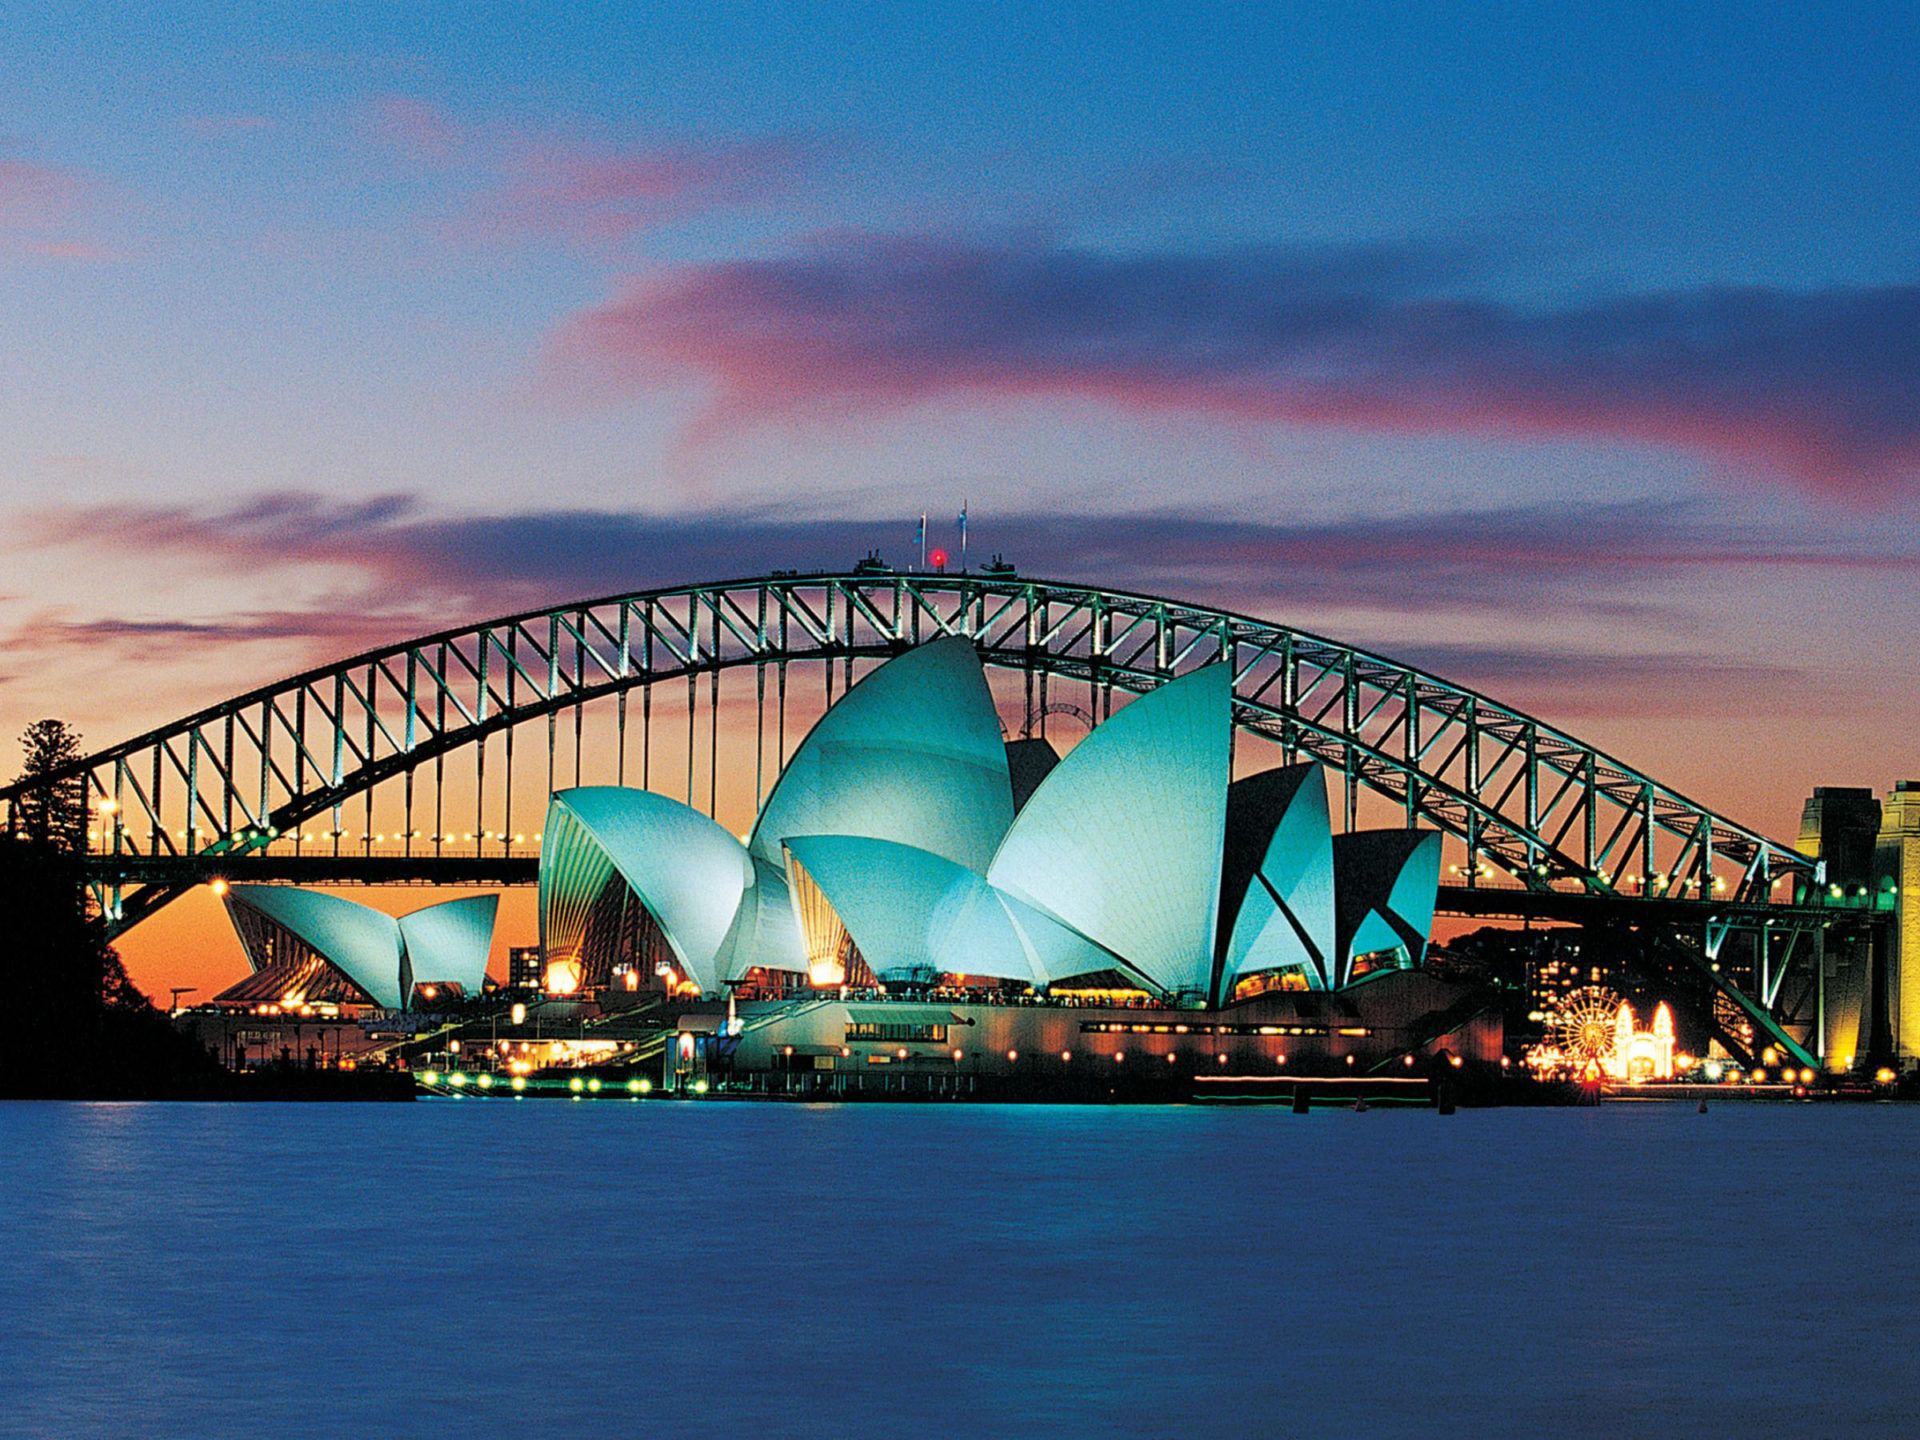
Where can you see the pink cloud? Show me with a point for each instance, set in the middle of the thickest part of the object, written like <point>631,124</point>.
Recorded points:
<point>594,194</point>
<point>585,192</point>
<point>44,213</point>
<point>33,195</point>
<point>1821,388</point>
<point>1598,557</point>
<point>423,130</point>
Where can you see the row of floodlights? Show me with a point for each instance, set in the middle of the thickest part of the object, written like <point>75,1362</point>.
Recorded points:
<point>460,1080</point>
<point>1659,881</point>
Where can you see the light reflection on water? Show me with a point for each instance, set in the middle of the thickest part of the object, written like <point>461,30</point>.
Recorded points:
<point>497,1268</point>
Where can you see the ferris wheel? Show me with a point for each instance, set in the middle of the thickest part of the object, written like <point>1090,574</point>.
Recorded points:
<point>1584,1027</point>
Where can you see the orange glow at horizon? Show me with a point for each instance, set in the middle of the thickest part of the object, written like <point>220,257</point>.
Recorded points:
<point>191,943</point>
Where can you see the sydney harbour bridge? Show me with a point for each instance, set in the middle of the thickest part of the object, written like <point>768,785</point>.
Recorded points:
<point>430,760</point>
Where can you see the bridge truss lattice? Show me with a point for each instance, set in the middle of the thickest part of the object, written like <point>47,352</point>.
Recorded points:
<point>1526,806</point>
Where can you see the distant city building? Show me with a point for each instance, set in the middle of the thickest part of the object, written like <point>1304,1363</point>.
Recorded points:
<point>1559,963</point>
<point>524,967</point>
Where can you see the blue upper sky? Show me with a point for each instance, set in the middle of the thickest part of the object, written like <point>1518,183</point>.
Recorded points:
<point>1577,348</point>
<point>1640,143</point>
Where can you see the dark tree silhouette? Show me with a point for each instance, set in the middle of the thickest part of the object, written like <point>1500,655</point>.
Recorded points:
<point>54,813</point>
<point>82,1028</point>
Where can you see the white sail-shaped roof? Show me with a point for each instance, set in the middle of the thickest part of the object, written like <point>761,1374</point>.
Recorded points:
<point>1278,877</point>
<point>912,753</point>
<point>766,932</point>
<point>686,869</point>
<point>1122,841</point>
<point>361,942</point>
<point>911,911</point>
<point>1387,887</point>
<point>450,942</point>
<point>380,954</point>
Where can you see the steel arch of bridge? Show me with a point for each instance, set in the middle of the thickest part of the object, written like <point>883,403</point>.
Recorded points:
<point>1528,802</point>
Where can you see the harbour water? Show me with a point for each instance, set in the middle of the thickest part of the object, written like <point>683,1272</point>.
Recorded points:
<point>625,1269</point>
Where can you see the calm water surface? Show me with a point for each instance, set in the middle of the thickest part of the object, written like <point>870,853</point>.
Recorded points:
<point>453,1269</point>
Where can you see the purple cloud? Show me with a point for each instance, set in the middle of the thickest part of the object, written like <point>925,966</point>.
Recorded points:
<point>395,571</point>
<point>1820,387</point>
<point>1536,560</point>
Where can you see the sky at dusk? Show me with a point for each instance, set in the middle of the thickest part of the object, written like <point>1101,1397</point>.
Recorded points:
<point>1573,353</point>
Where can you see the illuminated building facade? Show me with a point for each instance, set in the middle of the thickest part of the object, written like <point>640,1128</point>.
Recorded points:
<point>1642,1054</point>
<point>525,968</point>
<point>1396,1030</point>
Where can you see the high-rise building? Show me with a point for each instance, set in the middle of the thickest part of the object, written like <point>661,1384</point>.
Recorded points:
<point>1896,876</point>
<point>524,969</point>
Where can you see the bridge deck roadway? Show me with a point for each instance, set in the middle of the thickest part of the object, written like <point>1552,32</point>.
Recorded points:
<point>1488,902</point>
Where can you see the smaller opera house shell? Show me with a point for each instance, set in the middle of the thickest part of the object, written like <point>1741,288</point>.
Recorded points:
<point>908,843</point>
<point>309,947</point>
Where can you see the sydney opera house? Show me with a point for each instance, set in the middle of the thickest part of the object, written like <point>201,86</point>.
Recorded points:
<point>918,893</point>
<point>892,852</point>
<point>936,892</point>
<point>308,948</point>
